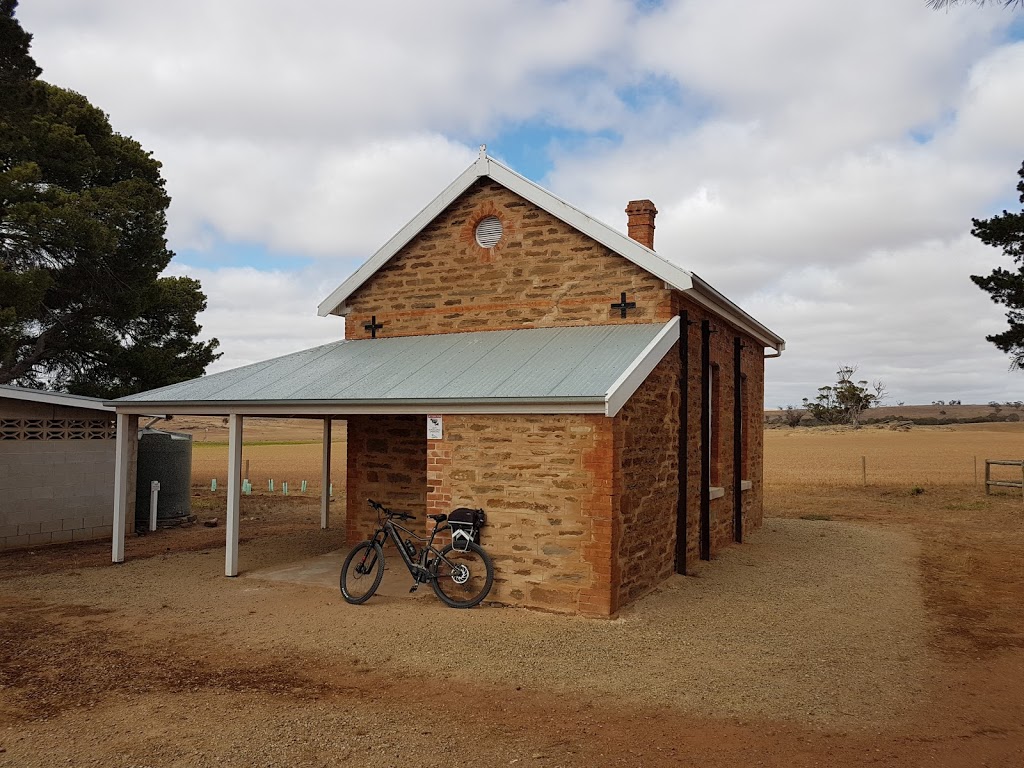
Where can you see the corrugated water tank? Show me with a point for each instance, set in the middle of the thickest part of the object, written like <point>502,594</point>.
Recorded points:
<point>167,458</point>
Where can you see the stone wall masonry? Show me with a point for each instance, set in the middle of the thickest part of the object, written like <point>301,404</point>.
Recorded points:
<point>387,462</point>
<point>752,365</point>
<point>543,273</point>
<point>546,484</point>
<point>647,462</point>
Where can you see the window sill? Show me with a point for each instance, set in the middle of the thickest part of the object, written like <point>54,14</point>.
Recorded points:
<point>717,491</point>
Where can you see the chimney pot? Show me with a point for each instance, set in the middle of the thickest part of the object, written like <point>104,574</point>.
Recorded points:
<point>640,224</point>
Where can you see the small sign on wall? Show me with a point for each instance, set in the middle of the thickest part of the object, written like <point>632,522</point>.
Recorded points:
<point>435,429</point>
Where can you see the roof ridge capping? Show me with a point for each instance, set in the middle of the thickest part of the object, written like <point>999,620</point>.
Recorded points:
<point>646,258</point>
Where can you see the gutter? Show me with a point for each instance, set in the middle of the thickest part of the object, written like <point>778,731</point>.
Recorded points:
<point>709,297</point>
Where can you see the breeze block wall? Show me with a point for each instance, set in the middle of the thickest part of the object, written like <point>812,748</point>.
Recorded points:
<point>56,474</point>
<point>546,484</point>
<point>542,273</point>
<point>387,462</point>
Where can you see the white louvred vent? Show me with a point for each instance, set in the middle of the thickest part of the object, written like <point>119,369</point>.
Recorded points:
<point>488,232</point>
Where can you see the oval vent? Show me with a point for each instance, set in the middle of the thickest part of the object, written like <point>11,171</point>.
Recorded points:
<point>488,232</point>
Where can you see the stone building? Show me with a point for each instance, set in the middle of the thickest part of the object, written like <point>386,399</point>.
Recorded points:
<point>56,468</point>
<point>601,403</point>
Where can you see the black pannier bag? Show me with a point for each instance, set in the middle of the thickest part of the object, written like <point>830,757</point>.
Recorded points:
<point>466,524</point>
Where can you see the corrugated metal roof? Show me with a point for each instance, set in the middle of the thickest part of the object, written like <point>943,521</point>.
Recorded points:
<point>528,364</point>
<point>53,398</point>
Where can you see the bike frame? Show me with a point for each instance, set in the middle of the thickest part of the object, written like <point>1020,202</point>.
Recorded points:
<point>389,530</point>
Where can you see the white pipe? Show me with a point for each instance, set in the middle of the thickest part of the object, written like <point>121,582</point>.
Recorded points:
<point>154,492</point>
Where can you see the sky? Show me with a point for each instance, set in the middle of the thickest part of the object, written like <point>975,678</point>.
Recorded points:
<point>818,163</point>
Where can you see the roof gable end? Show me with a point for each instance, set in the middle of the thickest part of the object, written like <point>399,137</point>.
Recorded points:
<point>487,166</point>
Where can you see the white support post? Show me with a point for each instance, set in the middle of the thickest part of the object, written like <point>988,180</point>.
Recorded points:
<point>154,493</point>
<point>127,437</point>
<point>325,478</point>
<point>234,493</point>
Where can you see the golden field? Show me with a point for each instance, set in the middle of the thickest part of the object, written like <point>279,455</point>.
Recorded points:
<point>920,456</point>
<point>280,462</point>
<point>818,456</point>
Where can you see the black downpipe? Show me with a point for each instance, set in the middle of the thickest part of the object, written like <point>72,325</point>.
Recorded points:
<point>737,442</point>
<point>684,435</point>
<point>705,440</point>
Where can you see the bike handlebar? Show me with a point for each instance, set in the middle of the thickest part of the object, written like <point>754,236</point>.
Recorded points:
<point>390,512</point>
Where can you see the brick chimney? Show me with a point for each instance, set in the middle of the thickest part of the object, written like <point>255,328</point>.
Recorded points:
<point>641,221</point>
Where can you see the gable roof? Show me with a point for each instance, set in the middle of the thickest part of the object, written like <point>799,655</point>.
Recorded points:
<point>53,398</point>
<point>625,246</point>
<point>593,369</point>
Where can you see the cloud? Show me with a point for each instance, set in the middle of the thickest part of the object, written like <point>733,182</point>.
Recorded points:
<point>259,314</point>
<point>818,165</point>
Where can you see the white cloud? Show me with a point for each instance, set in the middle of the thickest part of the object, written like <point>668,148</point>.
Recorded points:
<point>818,164</point>
<point>258,314</point>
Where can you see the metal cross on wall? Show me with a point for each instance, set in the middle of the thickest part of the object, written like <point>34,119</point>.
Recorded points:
<point>624,305</point>
<point>373,326</point>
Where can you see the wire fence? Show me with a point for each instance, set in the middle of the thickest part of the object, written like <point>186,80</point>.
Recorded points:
<point>921,457</point>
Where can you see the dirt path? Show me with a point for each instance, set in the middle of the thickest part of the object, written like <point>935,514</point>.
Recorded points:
<point>819,643</point>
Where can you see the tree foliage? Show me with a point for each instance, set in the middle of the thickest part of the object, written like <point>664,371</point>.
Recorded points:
<point>944,4</point>
<point>82,220</point>
<point>846,400</point>
<point>1006,286</point>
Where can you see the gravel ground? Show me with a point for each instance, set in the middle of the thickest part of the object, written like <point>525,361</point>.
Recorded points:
<point>818,621</point>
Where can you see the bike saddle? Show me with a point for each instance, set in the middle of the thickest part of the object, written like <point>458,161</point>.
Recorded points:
<point>438,518</point>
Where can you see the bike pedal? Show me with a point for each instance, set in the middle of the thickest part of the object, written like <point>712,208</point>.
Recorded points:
<point>414,588</point>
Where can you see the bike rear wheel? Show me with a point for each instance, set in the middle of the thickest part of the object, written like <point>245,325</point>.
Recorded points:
<point>362,571</point>
<point>462,579</point>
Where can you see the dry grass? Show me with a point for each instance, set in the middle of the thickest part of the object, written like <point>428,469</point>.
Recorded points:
<point>921,481</point>
<point>922,456</point>
<point>291,463</point>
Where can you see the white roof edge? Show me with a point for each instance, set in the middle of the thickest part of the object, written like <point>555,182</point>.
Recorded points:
<point>608,236</point>
<point>704,294</point>
<point>638,371</point>
<point>625,246</point>
<point>54,398</point>
<point>346,408</point>
<point>332,304</point>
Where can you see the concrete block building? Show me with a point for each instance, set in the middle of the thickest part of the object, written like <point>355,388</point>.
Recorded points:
<point>56,468</point>
<point>600,402</point>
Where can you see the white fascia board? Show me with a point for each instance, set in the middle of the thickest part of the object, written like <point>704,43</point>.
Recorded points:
<point>705,295</point>
<point>638,371</point>
<point>334,304</point>
<point>341,409</point>
<point>52,398</point>
<point>625,246</point>
<point>621,244</point>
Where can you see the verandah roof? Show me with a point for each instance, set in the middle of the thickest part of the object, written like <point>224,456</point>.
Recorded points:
<point>592,369</point>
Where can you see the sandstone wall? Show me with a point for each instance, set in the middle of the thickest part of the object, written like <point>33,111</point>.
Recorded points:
<point>647,466</point>
<point>543,273</point>
<point>387,462</point>
<point>752,366</point>
<point>545,482</point>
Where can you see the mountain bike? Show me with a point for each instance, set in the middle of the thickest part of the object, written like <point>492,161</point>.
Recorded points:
<point>460,573</point>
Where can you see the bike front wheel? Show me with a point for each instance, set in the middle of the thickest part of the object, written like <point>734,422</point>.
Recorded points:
<point>462,579</point>
<point>362,571</point>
